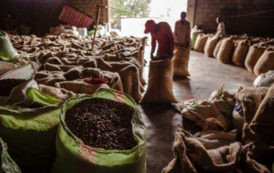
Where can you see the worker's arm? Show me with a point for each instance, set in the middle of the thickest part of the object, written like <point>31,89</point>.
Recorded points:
<point>168,32</point>
<point>188,39</point>
<point>223,29</point>
<point>175,34</point>
<point>171,42</point>
<point>153,46</point>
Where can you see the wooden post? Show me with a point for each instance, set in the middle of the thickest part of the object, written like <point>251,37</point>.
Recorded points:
<point>99,7</point>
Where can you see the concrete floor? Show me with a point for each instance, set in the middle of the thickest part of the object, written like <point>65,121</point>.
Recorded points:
<point>207,75</point>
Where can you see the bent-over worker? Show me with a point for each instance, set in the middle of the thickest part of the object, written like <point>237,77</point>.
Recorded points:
<point>162,34</point>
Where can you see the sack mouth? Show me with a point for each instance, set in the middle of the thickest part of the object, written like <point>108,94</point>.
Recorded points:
<point>78,98</point>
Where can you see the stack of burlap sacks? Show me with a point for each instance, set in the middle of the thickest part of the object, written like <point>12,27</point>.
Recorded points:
<point>37,82</point>
<point>237,133</point>
<point>255,54</point>
<point>61,63</point>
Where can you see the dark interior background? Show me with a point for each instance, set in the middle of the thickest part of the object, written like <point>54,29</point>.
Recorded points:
<point>40,15</point>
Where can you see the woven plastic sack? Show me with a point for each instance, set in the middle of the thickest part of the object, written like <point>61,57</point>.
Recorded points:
<point>7,165</point>
<point>6,49</point>
<point>74,156</point>
<point>253,55</point>
<point>240,53</point>
<point>30,130</point>
<point>265,63</point>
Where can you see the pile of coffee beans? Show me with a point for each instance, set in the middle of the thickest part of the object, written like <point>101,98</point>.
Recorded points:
<point>6,85</point>
<point>102,123</point>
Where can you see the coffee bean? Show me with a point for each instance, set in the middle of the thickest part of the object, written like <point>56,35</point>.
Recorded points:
<point>102,123</point>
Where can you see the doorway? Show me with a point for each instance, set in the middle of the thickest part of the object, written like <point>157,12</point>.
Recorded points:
<point>129,16</point>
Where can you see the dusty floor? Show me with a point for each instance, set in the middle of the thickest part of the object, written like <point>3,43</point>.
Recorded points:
<point>207,75</point>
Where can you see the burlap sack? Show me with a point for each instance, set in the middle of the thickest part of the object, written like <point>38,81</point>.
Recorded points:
<point>248,101</point>
<point>200,42</point>
<point>66,68</point>
<point>23,72</point>
<point>131,82</point>
<point>214,138</point>
<point>264,79</point>
<point>6,66</point>
<point>128,72</point>
<point>41,74</point>
<point>160,83</point>
<point>263,122</point>
<point>265,63</point>
<point>42,58</point>
<point>54,60</point>
<point>81,87</point>
<point>240,53</point>
<point>36,65</point>
<point>210,45</point>
<point>114,80</point>
<point>259,134</point>
<point>67,61</point>
<point>217,48</point>
<point>51,67</point>
<point>51,79</point>
<point>73,74</point>
<point>181,162</point>
<point>55,92</point>
<point>192,156</point>
<point>180,61</point>
<point>204,113</point>
<point>253,55</point>
<point>224,101</point>
<point>226,50</point>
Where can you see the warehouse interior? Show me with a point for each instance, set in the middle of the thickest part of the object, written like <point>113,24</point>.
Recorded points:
<point>128,86</point>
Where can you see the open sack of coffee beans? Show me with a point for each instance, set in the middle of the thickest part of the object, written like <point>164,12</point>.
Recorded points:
<point>101,133</point>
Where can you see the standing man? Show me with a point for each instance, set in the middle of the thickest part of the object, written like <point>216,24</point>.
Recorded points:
<point>182,32</point>
<point>162,34</point>
<point>182,46</point>
<point>221,27</point>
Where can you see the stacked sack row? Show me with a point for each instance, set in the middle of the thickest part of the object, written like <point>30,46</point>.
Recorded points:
<point>236,133</point>
<point>253,53</point>
<point>45,79</point>
<point>35,128</point>
<point>66,64</point>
